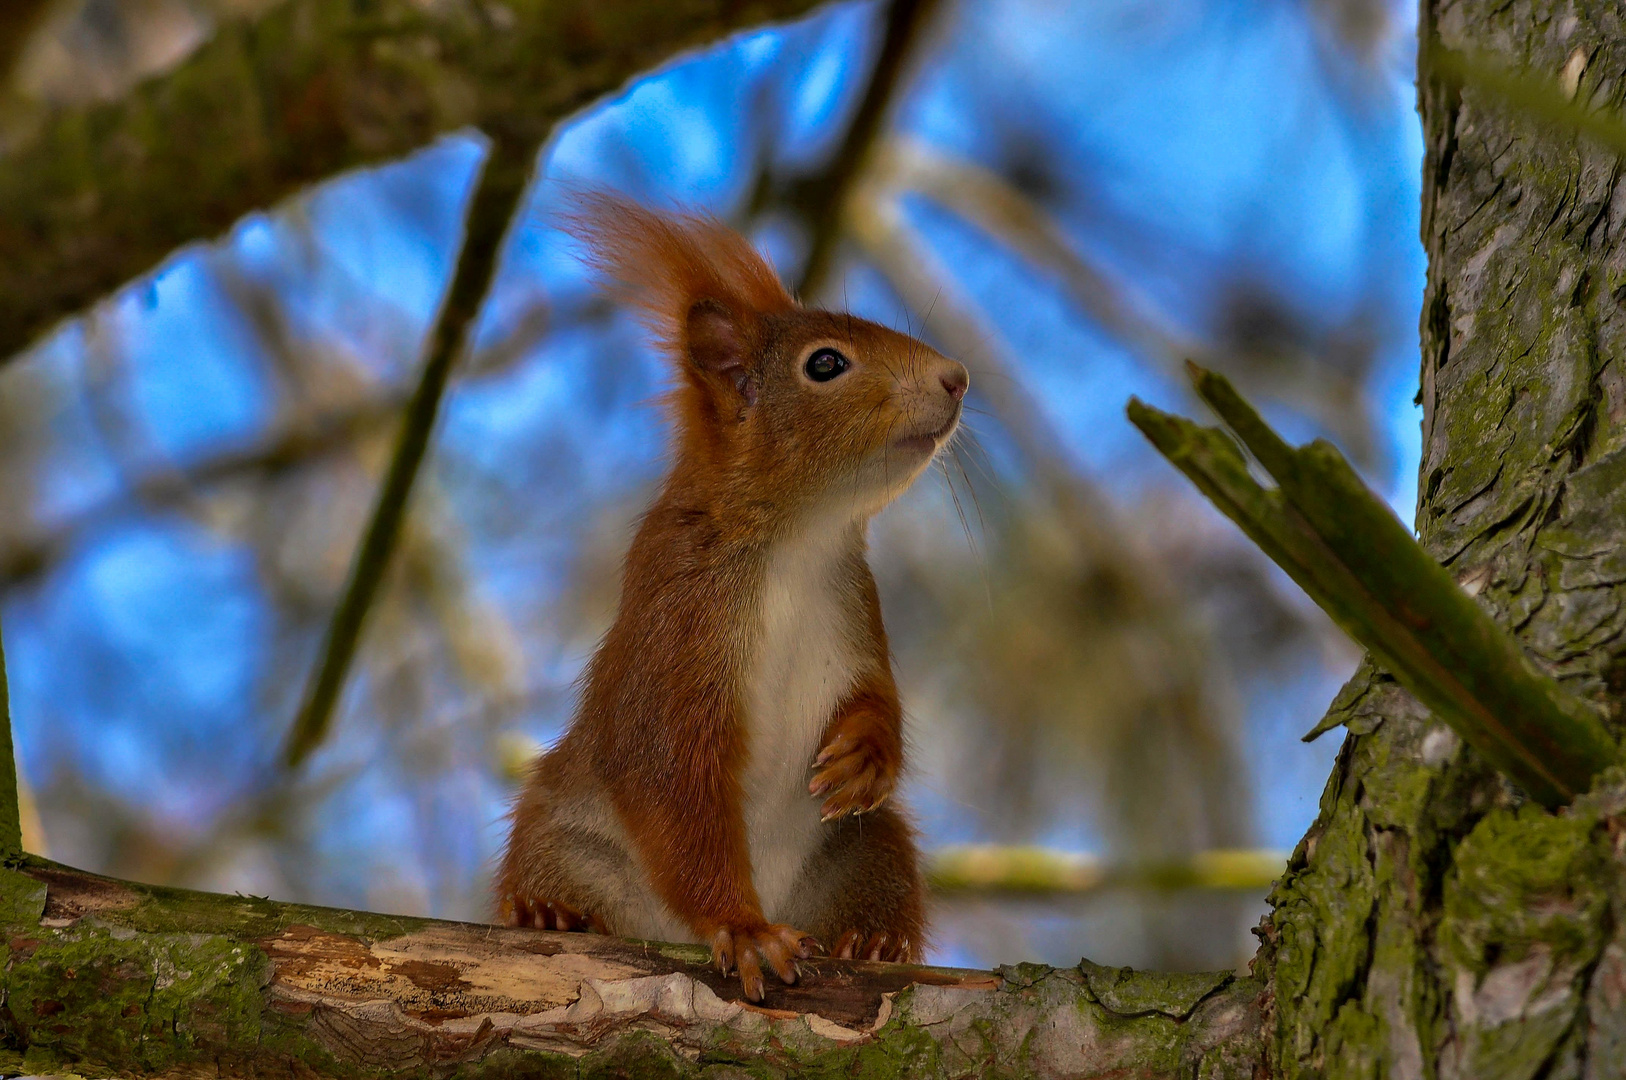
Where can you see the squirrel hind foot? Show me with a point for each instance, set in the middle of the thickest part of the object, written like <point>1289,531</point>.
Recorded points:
<point>857,945</point>
<point>550,915</point>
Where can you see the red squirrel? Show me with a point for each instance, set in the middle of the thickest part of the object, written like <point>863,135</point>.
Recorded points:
<point>726,776</point>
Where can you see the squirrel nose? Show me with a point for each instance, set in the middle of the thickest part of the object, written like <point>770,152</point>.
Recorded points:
<point>955,380</point>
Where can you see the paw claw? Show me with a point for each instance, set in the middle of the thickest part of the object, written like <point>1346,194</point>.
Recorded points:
<point>855,944</point>
<point>747,951</point>
<point>548,915</point>
<point>853,775</point>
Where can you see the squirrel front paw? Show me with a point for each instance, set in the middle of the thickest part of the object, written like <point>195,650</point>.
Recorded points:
<point>548,915</point>
<point>855,771</point>
<point>745,949</point>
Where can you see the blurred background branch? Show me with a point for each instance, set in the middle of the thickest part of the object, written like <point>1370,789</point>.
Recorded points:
<point>991,871</point>
<point>19,19</point>
<point>821,199</point>
<point>496,200</point>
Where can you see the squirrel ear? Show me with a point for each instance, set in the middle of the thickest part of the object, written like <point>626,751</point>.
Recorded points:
<point>701,286</point>
<point>717,346</point>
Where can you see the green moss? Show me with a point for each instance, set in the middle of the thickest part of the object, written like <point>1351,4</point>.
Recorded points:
<point>1523,878</point>
<point>510,1064</point>
<point>1128,992</point>
<point>140,1002</point>
<point>22,899</point>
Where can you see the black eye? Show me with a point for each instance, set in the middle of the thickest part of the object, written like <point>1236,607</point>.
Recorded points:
<point>826,364</point>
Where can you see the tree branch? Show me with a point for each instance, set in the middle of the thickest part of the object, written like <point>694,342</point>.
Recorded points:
<point>1346,548</point>
<point>95,196</point>
<point>995,870</point>
<point>19,20</point>
<point>107,976</point>
<point>497,198</point>
<point>991,203</point>
<point>822,199</point>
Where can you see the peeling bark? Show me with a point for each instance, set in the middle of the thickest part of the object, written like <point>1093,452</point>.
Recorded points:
<point>92,197</point>
<point>106,977</point>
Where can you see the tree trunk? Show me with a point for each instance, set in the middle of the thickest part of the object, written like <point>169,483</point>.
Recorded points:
<point>1433,923</point>
<point>92,197</point>
<point>105,977</point>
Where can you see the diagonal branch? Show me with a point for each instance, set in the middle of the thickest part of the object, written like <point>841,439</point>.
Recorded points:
<point>991,203</point>
<point>822,199</point>
<point>497,197</point>
<point>1345,548</point>
<point>92,197</point>
<point>19,20</point>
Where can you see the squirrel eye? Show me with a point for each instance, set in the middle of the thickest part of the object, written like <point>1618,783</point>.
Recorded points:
<point>826,364</point>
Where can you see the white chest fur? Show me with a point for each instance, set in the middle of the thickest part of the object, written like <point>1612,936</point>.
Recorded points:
<point>805,658</point>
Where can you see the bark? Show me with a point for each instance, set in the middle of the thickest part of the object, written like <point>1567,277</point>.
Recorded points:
<point>92,197</point>
<point>1434,922</point>
<point>104,977</point>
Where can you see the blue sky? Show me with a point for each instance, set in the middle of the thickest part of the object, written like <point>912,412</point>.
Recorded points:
<point>1186,144</point>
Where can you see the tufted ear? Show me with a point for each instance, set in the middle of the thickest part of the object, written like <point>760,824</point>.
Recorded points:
<point>701,286</point>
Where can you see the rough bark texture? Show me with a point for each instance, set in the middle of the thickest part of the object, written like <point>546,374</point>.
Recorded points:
<point>93,197</point>
<point>1434,923</point>
<point>102,977</point>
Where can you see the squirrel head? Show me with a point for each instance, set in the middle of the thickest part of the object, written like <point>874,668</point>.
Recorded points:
<point>792,408</point>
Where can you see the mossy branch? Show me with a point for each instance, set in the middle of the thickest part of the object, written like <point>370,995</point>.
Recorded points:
<point>501,186</point>
<point>11,820</point>
<point>1345,548</point>
<point>91,197</point>
<point>108,977</point>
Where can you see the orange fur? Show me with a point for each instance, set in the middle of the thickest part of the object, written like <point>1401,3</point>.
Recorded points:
<point>748,639</point>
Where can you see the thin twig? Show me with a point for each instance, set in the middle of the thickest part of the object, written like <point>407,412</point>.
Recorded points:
<point>1348,551</point>
<point>822,199</point>
<point>501,186</point>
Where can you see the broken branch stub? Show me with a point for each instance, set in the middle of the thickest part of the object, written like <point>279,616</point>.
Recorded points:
<point>1348,551</point>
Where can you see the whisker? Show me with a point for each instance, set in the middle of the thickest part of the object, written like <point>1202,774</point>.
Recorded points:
<point>965,526</point>
<point>970,488</point>
<point>967,436</point>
